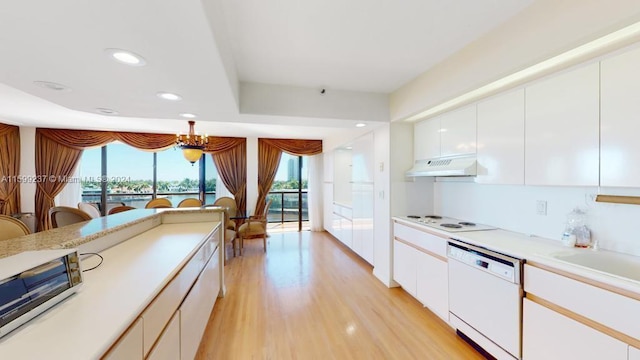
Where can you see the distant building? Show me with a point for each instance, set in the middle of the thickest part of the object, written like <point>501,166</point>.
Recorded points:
<point>294,170</point>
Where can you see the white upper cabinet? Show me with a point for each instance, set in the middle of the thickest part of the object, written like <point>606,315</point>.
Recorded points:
<point>458,132</point>
<point>619,125</point>
<point>426,139</point>
<point>562,129</point>
<point>501,139</point>
<point>362,159</point>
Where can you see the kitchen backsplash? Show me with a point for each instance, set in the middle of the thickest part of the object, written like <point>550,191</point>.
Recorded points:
<point>514,207</point>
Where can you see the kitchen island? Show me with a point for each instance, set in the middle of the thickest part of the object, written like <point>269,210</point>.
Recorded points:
<point>161,274</point>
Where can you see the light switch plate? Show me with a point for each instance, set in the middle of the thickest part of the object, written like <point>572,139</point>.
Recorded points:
<point>541,207</point>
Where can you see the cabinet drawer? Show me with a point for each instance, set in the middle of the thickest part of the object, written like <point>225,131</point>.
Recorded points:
<point>130,344</point>
<point>602,306</point>
<point>424,240</point>
<point>158,313</point>
<point>197,306</point>
<point>549,335</point>
<point>168,346</point>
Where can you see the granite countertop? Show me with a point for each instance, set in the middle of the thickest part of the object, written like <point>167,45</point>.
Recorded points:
<point>73,235</point>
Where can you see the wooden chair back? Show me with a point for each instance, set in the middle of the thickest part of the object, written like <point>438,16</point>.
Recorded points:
<point>12,228</point>
<point>65,215</point>
<point>119,209</point>
<point>89,209</point>
<point>158,203</point>
<point>190,202</point>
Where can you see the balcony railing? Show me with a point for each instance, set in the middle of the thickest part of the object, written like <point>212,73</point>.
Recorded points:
<point>284,204</point>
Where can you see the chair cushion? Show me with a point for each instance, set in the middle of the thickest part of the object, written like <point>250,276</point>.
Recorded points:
<point>251,229</point>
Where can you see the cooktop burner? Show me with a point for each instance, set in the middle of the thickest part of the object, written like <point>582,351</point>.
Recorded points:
<point>450,224</point>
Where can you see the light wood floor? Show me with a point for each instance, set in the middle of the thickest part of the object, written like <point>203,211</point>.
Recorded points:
<point>309,297</point>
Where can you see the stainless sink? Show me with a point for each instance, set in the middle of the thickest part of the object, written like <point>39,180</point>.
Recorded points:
<point>621,265</point>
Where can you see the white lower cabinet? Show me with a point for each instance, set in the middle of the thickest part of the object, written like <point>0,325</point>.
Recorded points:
<point>168,345</point>
<point>421,268</point>
<point>432,284</point>
<point>634,353</point>
<point>548,335</point>
<point>197,306</point>
<point>130,344</point>
<point>404,266</point>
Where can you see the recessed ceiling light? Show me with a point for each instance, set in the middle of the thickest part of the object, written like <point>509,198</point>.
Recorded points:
<point>348,147</point>
<point>361,125</point>
<point>126,57</point>
<point>169,96</point>
<point>188,115</point>
<point>105,111</point>
<point>52,86</point>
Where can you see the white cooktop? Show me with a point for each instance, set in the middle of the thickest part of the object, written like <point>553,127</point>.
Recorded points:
<point>447,223</point>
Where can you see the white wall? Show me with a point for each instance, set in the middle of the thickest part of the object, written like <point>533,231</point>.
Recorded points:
<point>513,207</point>
<point>544,29</point>
<point>28,168</point>
<point>298,101</point>
<point>252,174</point>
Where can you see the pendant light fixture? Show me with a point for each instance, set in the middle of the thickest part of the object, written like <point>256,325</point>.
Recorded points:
<point>192,144</point>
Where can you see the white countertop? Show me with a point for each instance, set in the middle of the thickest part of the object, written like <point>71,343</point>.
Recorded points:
<point>85,325</point>
<point>539,250</point>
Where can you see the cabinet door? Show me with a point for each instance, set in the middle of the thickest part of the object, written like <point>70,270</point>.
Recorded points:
<point>550,335</point>
<point>362,159</point>
<point>426,139</point>
<point>433,284</point>
<point>501,139</point>
<point>168,345</point>
<point>404,266</point>
<point>562,129</point>
<point>458,132</point>
<point>130,344</point>
<point>619,126</point>
<point>634,354</point>
<point>197,306</point>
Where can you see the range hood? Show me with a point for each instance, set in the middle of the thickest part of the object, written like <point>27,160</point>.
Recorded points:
<point>445,166</point>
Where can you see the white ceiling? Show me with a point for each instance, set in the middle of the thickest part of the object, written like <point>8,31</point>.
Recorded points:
<point>356,45</point>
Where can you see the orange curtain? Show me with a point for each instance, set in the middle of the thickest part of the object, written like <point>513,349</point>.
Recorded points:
<point>9,169</point>
<point>269,153</point>
<point>230,157</point>
<point>296,147</point>
<point>58,152</point>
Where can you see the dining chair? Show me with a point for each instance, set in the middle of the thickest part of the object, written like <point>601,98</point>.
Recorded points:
<point>65,215</point>
<point>255,227</point>
<point>90,209</point>
<point>190,202</point>
<point>232,208</point>
<point>119,209</point>
<point>158,203</point>
<point>12,228</point>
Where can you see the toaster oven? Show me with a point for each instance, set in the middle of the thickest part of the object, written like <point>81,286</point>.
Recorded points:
<point>34,281</point>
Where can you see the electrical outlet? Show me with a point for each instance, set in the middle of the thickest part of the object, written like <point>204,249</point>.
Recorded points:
<point>541,207</point>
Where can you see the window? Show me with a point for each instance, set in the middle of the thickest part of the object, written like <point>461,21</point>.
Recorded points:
<point>289,186</point>
<point>133,179</point>
<point>177,178</point>
<point>129,174</point>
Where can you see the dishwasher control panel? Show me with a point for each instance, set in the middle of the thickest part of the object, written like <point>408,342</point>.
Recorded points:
<point>482,259</point>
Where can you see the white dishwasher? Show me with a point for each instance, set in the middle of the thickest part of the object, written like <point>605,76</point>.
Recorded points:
<point>485,298</point>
